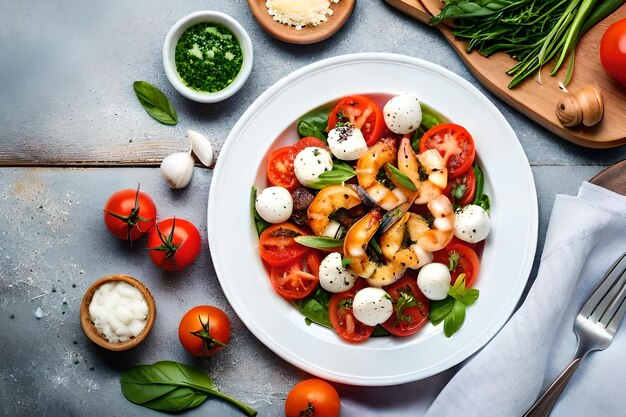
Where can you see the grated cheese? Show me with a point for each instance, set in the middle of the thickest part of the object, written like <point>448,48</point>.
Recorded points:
<point>299,13</point>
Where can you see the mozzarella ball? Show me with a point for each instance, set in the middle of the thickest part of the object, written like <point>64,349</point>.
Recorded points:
<point>471,224</point>
<point>310,163</point>
<point>347,143</point>
<point>274,204</point>
<point>372,306</point>
<point>403,114</point>
<point>434,281</point>
<point>333,276</point>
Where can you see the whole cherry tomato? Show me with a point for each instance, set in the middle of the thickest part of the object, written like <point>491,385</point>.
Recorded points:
<point>204,330</point>
<point>174,244</point>
<point>129,214</point>
<point>312,398</point>
<point>613,51</point>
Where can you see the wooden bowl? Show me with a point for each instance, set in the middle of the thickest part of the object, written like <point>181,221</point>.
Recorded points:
<point>308,34</point>
<point>90,329</point>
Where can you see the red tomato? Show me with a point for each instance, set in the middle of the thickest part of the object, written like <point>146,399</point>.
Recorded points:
<point>342,318</point>
<point>298,278</point>
<point>464,260</point>
<point>174,244</point>
<point>454,143</point>
<point>308,142</point>
<point>613,51</point>
<point>129,214</point>
<point>277,245</point>
<point>409,320</point>
<point>280,171</point>
<point>312,398</point>
<point>464,185</point>
<point>204,330</point>
<point>361,112</point>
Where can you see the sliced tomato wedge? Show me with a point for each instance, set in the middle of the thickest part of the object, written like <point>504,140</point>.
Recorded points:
<point>411,307</point>
<point>362,113</point>
<point>454,143</point>
<point>280,170</point>
<point>309,141</point>
<point>298,278</point>
<point>463,260</point>
<point>461,190</point>
<point>277,245</point>
<point>342,318</point>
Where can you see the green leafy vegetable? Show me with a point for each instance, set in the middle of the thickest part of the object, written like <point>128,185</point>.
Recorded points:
<point>340,173</point>
<point>459,192</point>
<point>405,301</point>
<point>480,198</point>
<point>259,223</point>
<point>452,309</point>
<point>314,123</point>
<point>531,31</point>
<point>172,386</point>
<point>315,307</point>
<point>155,103</point>
<point>319,242</point>
<point>400,177</point>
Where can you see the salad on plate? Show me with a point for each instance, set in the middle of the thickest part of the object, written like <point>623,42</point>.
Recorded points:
<point>373,222</point>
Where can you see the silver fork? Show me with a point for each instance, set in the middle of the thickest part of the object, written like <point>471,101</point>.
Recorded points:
<point>595,327</point>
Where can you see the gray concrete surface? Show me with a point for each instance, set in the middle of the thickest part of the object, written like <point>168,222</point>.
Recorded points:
<point>65,89</point>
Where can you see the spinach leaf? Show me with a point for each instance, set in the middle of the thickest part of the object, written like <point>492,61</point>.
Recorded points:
<point>315,307</point>
<point>172,386</point>
<point>315,122</point>
<point>155,103</point>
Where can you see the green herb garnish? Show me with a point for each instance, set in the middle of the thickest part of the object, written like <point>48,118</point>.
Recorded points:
<point>400,177</point>
<point>451,310</point>
<point>340,173</point>
<point>259,223</point>
<point>155,103</point>
<point>319,242</point>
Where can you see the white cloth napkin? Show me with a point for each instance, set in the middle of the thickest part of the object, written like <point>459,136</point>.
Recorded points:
<point>586,235</point>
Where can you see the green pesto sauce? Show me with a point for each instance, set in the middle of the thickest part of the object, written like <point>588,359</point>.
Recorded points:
<point>208,57</point>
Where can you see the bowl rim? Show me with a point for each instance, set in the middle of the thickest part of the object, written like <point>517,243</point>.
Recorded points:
<point>90,329</point>
<point>208,16</point>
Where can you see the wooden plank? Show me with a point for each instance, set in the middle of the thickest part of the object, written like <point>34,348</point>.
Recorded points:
<point>538,101</point>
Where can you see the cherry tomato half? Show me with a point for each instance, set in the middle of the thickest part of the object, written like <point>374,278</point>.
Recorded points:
<point>280,170</point>
<point>277,245</point>
<point>463,260</point>
<point>414,307</point>
<point>342,318</point>
<point>298,278</point>
<point>173,244</point>
<point>204,330</point>
<point>613,51</point>
<point>361,112</point>
<point>309,141</point>
<point>461,190</point>
<point>454,143</point>
<point>129,214</point>
<point>314,398</point>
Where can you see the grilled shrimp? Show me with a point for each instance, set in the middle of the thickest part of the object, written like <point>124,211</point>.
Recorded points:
<point>367,168</point>
<point>394,245</point>
<point>325,203</point>
<point>442,231</point>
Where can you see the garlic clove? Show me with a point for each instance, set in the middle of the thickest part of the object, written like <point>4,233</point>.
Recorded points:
<point>201,146</point>
<point>583,106</point>
<point>177,169</point>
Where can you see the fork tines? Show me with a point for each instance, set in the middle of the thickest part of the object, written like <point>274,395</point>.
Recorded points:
<point>606,305</point>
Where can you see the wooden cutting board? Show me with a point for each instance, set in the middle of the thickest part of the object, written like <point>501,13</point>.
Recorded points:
<point>539,101</point>
<point>612,178</point>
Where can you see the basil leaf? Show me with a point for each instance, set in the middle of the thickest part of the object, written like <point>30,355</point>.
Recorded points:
<point>400,177</point>
<point>319,242</point>
<point>340,173</point>
<point>429,121</point>
<point>380,331</point>
<point>171,386</point>
<point>480,183</point>
<point>155,103</point>
<point>484,202</point>
<point>315,122</point>
<point>259,223</point>
<point>306,129</point>
<point>439,309</point>
<point>315,307</point>
<point>455,319</point>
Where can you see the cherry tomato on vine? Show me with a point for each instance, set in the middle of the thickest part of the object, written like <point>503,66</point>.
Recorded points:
<point>312,398</point>
<point>204,330</point>
<point>129,214</point>
<point>173,244</point>
<point>613,51</point>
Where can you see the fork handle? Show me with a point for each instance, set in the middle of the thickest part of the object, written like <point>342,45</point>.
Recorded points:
<point>545,403</point>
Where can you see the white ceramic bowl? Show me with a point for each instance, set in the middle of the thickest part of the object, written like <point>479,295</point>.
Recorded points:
<point>169,49</point>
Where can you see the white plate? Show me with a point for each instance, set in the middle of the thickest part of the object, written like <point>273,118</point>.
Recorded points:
<point>506,261</point>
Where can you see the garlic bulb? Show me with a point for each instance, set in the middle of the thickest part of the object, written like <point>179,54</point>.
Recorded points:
<point>201,146</point>
<point>177,169</point>
<point>583,106</point>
